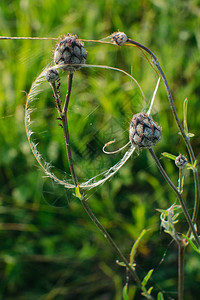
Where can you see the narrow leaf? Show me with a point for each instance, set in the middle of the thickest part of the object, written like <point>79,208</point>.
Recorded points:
<point>121,264</point>
<point>195,163</point>
<point>168,155</point>
<point>146,278</point>
<point>135,246</point>
<point>191,243</point>
<point>125,292</point>
<point>77,192</point>
<point>149,290</point>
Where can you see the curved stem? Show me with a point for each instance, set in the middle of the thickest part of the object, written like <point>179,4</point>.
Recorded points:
<point>180,197</point>
<point>185,137</point>
<point>82,198</point>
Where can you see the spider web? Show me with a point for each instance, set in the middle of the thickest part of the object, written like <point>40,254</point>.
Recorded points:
<point>100,124</point>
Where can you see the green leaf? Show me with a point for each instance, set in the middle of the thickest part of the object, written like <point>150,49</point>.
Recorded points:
<point>77,192</point>
<point>135,246</point>
<point>185,125</point>
<point>121,264</point>
<point>125,292</point>
<point>160,296</point>
<point>168,155</point>
<point>191,243</point>
<point>190,134</point>
<point>190,166</point>
<point>163,211</point>
<point>195,163</point>
<point>146,278</point>
<point>149,290</point>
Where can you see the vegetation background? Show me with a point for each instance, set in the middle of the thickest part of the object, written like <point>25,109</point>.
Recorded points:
<point>49,248</point>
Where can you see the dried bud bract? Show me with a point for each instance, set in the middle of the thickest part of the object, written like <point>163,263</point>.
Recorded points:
<point>119,38</point>
<point>51,75</point>
<point>144,132</point>
<point>70,51</point>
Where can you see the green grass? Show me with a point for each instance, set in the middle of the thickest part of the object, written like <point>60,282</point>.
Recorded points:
<point>49,248</point>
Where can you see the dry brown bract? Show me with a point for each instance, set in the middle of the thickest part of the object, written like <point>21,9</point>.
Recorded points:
<point>70,51</point>
<point>144,132</point>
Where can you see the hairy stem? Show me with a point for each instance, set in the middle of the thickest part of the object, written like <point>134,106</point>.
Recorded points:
<point>185,137</point>
<point>180,197</point>
<point>56,97</point>
<point>66,129</point>
<point>181,250</point>
<point>82,197</point>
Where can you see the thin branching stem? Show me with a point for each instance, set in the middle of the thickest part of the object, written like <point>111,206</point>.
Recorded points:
<point>82,197</point>
<point>181,251</point>
<point>180,197</point>
<point>56,97</point>
<point>180,180</point>
<point>70,78</point>
<point>185,137</point>
<point>66,129</point>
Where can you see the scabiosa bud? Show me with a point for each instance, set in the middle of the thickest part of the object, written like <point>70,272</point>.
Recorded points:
<point>70,51</point>
<point>119,38</point>
<point>51,75</point>
<point>180,161</point>
<point>144,132</point>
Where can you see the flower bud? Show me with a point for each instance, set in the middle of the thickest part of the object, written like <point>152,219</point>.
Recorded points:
<point>70,51</point>
<point>180,161</point>
<point>51,75</point>
<point>144,132</point>
<point>119,38</point>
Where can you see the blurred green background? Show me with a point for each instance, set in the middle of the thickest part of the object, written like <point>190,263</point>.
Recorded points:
<point>49,249</point>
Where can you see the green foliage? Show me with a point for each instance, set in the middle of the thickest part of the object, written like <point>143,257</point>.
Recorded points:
<point>160,296</point>
<point>125,293</point>
<point>169,218</point>
<point>185,125</point>
<point>194,247</point>
<point>147,277</point>
<point>49,248</point>
<point>135,246</point>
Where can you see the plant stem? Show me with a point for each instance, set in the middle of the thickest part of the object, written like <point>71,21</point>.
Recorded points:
<point>82,197</point>
<point>70,78</point>
<point>184,208</point>
<point>56,97</point>
<point>110,240</point>
<point>181,250</point>
<point>66,129</point>
<point>180,181</point>
<point>185,137</point>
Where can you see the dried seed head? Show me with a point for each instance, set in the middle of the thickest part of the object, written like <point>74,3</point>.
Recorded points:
<point>52,75</point>
<point>144,132</point>
<point>119,38</point>
<point>70,51</point>
<point>180,161</point>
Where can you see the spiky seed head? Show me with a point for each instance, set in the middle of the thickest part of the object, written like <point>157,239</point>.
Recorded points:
<point>119,38</point>
<point>144,132</point>
<point>51,75</point>
<point>181,161</point>
<point>70,51</point>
